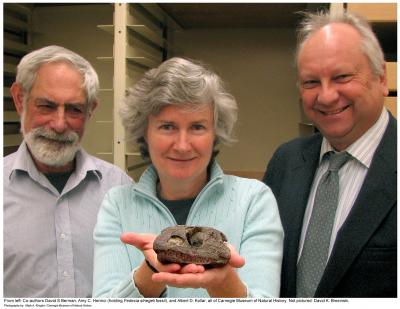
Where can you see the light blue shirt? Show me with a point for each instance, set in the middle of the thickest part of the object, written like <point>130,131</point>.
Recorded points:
<point>245,210</point>
<point>48,236</point>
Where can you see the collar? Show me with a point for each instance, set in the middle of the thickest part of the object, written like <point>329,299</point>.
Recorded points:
<point>24,162</point>
<point>364,148</point>
<point>148,181</point>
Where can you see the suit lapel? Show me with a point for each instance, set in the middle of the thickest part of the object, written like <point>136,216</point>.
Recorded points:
<point>375,200</point>
<point>301,178</point>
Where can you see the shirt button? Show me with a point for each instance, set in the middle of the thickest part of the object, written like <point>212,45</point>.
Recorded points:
<point>63,236</point>
<point>65,273</point>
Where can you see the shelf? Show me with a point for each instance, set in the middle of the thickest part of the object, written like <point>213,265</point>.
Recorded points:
<point>144,61</point>
<point>17,31</point>
<point>391,71</point>
<point>7,93</point>
<point>147,62</point>
<point>105,58</point>
<point>375,12</point>
<point>151,35</point>
<point>10,116</point>
<point>11,128</point>
<point>133,154</point>
<point>138,45</point>
<point>143,30</point>
<point>15,47</point>
<point>12,139</point>
<point>10,69</point>
<point>22,9</point>
<point>107,28</point>
<point>13,23</point>
<point>383,18</point>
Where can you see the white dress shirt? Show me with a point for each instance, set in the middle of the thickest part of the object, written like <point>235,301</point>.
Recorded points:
<point>351,175</point>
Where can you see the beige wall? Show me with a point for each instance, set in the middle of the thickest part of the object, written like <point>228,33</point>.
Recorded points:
<point>258,68</point>
<point>256,64</point>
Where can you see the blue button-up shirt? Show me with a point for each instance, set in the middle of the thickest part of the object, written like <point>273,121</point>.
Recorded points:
<point>48,236</point>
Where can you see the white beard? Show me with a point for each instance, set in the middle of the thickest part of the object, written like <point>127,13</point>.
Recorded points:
<point>51,148</point>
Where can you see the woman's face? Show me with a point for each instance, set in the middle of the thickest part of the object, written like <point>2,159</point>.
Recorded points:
<point>181,143</point>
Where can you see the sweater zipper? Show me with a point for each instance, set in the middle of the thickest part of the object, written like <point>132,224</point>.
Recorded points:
<point>200,195</point>
<point>158,203</point>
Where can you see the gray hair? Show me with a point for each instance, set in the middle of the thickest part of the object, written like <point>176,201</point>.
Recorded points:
<point>178,82</point>
<point>370,46</point>
<point>29,65</point>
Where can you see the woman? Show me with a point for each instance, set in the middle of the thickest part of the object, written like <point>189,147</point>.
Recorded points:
<point>178,113</point>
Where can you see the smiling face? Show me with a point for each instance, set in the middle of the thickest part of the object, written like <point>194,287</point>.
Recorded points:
<point>340,94</point>
<point>54,115</point>
<point>180,144</point>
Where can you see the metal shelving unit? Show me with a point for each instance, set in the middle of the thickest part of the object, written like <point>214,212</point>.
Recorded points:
<point>140,43</point>
<point>17,20</point>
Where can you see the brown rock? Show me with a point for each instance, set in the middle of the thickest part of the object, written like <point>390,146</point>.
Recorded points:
<point>192,244</point>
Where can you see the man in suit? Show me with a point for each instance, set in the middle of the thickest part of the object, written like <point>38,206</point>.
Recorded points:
<point>342,81</point>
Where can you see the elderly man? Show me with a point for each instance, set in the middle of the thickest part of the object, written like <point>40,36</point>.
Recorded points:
<point>337,190</point>
<point>52,187</point>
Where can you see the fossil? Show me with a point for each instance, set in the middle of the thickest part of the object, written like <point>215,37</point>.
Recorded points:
<point>192,244</point>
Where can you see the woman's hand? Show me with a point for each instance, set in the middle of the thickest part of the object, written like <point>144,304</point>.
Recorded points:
<point>143,275</point>
<point>144,242</point>
<point>219,282</point>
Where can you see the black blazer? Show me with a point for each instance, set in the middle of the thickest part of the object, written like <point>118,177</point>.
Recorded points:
<point>363,261</point>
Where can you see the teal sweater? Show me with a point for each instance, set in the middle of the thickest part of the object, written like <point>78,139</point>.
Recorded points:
<point>245,210</point>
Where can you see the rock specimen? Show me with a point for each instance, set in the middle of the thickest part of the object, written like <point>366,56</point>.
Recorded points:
<point>192,244</point>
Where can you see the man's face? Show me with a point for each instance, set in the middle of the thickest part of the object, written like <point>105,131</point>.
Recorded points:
<point>340,94</point>
<point>53,118</point>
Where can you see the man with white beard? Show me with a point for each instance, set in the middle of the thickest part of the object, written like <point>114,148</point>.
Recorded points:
<point>52,187</point>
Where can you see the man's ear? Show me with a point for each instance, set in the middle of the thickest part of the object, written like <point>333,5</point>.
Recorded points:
<point>18,97</point>
<point>383,81</point>
<point>92,108</point>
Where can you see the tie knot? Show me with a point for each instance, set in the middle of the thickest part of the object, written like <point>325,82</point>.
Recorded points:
<point>337,160</point>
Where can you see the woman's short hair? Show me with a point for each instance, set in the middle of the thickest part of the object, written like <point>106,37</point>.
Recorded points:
<point>370,46</point>
<point>29,65</point>
<point>178,82</point>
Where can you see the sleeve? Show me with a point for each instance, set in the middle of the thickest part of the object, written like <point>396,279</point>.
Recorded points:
<point>262,245</point>
<point>113,269</point>
<point>271,169</point>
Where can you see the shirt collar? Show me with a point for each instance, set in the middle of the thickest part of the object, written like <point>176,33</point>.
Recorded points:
<point>85,164</point>
<point>364,148</point>
<point>24,162</point>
